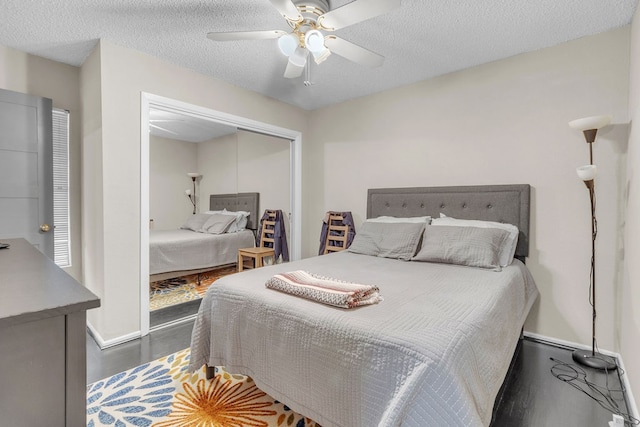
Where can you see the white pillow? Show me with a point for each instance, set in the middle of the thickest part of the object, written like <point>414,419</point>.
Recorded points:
<point>242,219</point>
<point>195,222</point>
<point>217,224</point>
<point>509,248</point>
<point>393,219</point>
<point>240,222</point>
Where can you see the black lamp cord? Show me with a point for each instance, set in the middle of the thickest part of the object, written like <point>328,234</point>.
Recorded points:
<point>605,396</point>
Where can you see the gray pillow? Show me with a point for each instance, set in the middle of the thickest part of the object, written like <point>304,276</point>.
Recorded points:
<point>472,246</point>
<point>217,224</point>
<point>387,240</point>
<point>195,222</point>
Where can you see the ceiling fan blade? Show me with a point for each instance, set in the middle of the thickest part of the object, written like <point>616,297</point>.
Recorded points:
<point>354,12</point>
<point>292,71</point>
<point>287,9</point>
<point>246,35</point>
<point>353,52</point>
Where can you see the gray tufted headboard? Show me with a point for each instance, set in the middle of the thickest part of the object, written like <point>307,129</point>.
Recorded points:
<point>249,202</point>
<point>501,203</point>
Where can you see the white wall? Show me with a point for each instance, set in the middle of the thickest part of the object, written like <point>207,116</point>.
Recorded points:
<point>263,167</point>
<point>247,162</point>
<point>218,163</point>
<point>169,162</point>
<point>500,123</point>
<point>21,72</point>
<point>92,184</point>
<point>235,163</point>
<point>630,295</point>
<point>124,74</point>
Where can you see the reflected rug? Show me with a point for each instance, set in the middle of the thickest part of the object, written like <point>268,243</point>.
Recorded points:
<point>163,394</point>
<point>165,293</point>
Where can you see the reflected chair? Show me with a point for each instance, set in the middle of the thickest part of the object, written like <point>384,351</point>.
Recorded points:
<point>254,257</point>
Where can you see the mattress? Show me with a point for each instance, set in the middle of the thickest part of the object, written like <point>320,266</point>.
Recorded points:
<point>434,352</point>
<point>173,250</point>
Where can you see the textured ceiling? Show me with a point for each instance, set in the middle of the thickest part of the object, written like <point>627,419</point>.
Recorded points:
<point>420,40</point>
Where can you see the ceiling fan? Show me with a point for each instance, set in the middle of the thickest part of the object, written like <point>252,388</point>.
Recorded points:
<point>310,19</point>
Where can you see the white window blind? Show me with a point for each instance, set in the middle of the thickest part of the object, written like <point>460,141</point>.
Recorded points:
<point>61,231</point>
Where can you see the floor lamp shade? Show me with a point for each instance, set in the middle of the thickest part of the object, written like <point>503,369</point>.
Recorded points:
<point>587,172</point>
<point>587,123</point>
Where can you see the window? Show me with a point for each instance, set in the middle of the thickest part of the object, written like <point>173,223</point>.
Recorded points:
<point>61,231</point>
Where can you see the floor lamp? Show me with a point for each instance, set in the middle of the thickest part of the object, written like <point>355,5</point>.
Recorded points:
<point>589,126</point>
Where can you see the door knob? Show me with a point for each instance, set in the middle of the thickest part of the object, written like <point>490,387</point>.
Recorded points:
<point>45,227</point>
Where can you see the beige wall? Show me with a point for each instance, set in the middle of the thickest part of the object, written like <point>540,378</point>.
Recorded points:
<point>21,72</point>
<point>236,163</point>
<point>247,162</point>
<point>240,162</point>
<point>124,75</point>
<point>499,123</point>
<point>169,162</point>
<point>630,307</point>
<point>218,163</point>
<point>263,167</point>
<point>92,181</point>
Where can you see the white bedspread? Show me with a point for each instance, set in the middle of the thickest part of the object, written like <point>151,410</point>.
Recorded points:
<point>174,250</point>
<point>434,352</point>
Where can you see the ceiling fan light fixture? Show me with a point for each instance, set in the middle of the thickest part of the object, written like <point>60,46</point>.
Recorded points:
<point>314,41</point>
<point>299,57</point>
<point>321,56</point>
<point>288,44</point>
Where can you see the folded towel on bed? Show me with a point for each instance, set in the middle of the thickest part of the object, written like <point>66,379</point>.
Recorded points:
<point>326,290</point>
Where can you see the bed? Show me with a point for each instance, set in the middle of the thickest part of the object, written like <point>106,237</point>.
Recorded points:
<point>176,253</point>
<point>434,352</point>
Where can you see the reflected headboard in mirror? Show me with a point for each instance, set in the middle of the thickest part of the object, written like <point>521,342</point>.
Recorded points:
<point>500,203</point>
<point>249,202</point>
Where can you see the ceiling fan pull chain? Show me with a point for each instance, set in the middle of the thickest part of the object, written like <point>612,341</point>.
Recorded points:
<point>307,75</point>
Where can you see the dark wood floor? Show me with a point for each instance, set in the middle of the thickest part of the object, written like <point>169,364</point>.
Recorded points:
<point>531,396</point>
<point>534,397</point>
<point>160,343</point>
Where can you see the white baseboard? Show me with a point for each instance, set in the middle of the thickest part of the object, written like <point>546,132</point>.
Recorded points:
<point>563,343</point>
<point>631,402</point>
<point>102,343</point>
<point>180,321</point>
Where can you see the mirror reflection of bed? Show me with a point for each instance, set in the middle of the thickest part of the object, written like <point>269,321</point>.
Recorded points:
<point>184,262</point>
<point>230,164</point>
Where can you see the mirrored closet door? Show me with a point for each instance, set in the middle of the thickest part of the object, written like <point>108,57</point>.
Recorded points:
<point>202,177</point>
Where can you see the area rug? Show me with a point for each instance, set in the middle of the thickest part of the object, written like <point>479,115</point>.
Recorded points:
<point>163,394</point>
<point>165,293</point>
